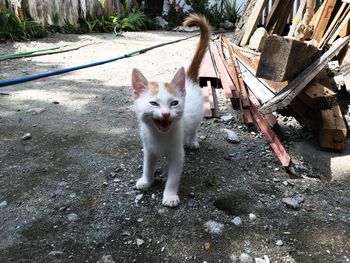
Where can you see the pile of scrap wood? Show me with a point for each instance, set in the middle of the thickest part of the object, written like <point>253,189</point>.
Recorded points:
<point>289,74</point>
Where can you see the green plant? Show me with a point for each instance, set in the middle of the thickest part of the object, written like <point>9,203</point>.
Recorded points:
<point>231,12</point>
<point>14,28</point>
<point>133,21</point>
<point>175,15</point>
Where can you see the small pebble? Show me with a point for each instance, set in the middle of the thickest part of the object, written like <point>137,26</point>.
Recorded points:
<point>214,227</point>
<point>237,221</point>
<point>279,243</point>
<point>3,204</point>
<point>26,136</point>
<point>139,242</point>
<point>73,217</point>
<point>252,217</point>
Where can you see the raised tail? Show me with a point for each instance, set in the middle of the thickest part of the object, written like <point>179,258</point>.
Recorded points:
<point>202,22</point>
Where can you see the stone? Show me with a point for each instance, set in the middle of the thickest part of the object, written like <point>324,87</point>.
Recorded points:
<point>228,25</point>
<point>214,227</point>
<point>252,217</point>
<point>73,217</point>
<point>138,198</point>
<point>55,253</point>
<point>245,258</point>
<point>279,243</point>
<point>36,110</point>
<point>107,259</point>
<point>237,221</point>
<point>230,135</point>
<point>26,136</point>
<point>3,204</point>
<point>257,40</point>
<point>161,22</point>
<point>293,203</point>
<point>139,242</point>
<point>227,118</point>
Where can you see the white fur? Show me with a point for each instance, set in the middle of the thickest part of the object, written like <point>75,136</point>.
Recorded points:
<point>185,117</point>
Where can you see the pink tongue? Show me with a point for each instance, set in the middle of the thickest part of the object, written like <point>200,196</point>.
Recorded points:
<point>163,125</point>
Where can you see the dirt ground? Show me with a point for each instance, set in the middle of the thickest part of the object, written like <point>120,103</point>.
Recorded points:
<point>67,193</point>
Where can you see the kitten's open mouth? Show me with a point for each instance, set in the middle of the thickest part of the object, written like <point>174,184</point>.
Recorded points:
<point>163,125</point>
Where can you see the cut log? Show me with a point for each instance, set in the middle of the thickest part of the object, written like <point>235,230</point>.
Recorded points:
<point>333,131</point>
<point>294,87</point>
<point>253,20</point>
<point>318,97</point>
<point>284,58</point>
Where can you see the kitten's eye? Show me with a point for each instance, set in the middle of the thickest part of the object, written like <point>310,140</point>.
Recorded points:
<point>174,103</point>
<point>154,103</point>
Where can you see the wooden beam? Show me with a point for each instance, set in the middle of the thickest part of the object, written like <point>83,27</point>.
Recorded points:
<point>285,58</point>
<point>294,87</point>
<point>333,131</point>
<point>337,31</point>
<point>253,21</point>
<point>324,19</point>
<point>207,110</point>
<point>272,17</point>
<point>271,137</point>
<point>332,25</point>
<point>318,97</point>
<point>283,16</point>
<point>207,71</point>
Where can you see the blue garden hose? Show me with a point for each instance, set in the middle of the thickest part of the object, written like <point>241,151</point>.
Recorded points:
<point>65,70</point>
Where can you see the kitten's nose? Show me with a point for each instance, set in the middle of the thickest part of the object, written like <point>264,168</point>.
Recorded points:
<point>166,115</point>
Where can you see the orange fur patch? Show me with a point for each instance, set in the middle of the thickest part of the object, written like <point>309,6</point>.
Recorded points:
<point>170,88</point>
<point>153,88</point>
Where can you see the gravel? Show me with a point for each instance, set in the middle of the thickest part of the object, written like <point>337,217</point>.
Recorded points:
<point>86,147</point>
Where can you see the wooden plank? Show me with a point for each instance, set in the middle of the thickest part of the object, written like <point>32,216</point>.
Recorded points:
<point>318,97</point>
<point>273,86</point>
<point>333,131</point>
<point>333,23</point>
<point>210,94</point>
<point>298,18</point>
<point>346,30</point>
<point>294,87</point>
<point>345,69</point>
<point>207,110</point>
<point>259,89</point>
<point>271,137</point>
<point>226,82</point>
<point>337,31</point>
<point>324,19</point>
<point>253,21</point>
<point>207,71</point>
<point>317,16</point>
<point>215,111</point>
<point>283,16</point>
<point>271,18</point>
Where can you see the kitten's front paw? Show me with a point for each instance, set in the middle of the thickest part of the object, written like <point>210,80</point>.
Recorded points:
<point>143,183</point>
<point>171,200</point>
<point>193,145</point>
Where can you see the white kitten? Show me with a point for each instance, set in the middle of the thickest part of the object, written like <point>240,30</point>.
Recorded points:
<point>169,115</point>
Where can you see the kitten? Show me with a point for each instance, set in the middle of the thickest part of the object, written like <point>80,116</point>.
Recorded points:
<point>169,115</point>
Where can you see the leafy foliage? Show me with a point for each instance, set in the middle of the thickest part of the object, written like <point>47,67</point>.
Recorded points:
<point>133,21</point>
<point>231,12</point>
<point>175,15</point>
<point>16,28</point>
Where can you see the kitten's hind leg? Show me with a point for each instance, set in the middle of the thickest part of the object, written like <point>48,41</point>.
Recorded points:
<point>149,166</point>
<point>176,161</point>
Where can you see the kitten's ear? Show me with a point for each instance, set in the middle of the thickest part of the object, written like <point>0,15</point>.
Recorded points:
<point>179,81</point>
<point>139,83</point>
